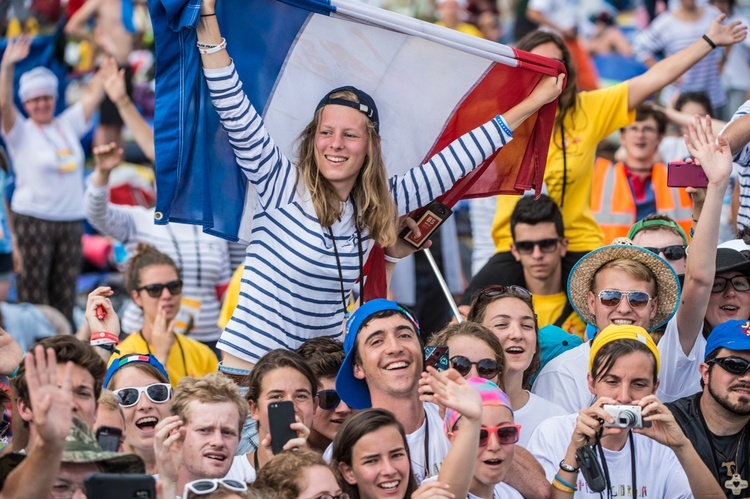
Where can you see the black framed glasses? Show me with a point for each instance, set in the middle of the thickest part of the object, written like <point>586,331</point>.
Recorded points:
<point>545,245</point>
<point>613,297</point>
<point>155,290</point>
<point>486,368</point>
<point>740,283</point>
<point>158,393</point>
<point>328,399</point>
<point>674,252</point>
<point>733,365</point>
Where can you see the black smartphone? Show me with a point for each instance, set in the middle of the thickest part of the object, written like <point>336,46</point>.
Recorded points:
<point>438,357</point>
<point>682,174</point>
<point>109,438</point>
<point>280,416</point>
<point>428,220</point>
<point>120,486</point>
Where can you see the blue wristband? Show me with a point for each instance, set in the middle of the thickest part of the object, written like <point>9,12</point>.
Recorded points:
<point>503,126</point>
<point>557,477</point>
<point>15,372</point>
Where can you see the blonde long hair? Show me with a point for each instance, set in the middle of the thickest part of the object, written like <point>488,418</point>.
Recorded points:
<point>375,207</point>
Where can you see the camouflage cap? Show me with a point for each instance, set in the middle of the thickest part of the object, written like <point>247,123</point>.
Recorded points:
<point>81,447</point>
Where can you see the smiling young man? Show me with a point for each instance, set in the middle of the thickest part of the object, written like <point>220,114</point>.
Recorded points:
<point>618,284</point>
<point>382,368</point>
<point>629,190</point>
<point>717,418</point>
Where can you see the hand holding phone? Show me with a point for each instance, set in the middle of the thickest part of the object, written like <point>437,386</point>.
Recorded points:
<point>438,357</point>
<point>120,486</point>
<point>280,419</point>
<point>429,219</point>
<point>109,438</point>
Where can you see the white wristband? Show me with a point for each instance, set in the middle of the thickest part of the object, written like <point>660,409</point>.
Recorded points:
<point>207,49</point>
<point>392,259</point>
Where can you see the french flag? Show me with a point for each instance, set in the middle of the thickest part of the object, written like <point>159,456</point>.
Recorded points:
<point>431,84</point>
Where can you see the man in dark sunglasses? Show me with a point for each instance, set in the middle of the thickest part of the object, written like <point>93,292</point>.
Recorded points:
<point>325,357</point>
<point>717,419</point>
<point>663,236</point>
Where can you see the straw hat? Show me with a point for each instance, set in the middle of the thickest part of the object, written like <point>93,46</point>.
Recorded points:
<point>582,277</point>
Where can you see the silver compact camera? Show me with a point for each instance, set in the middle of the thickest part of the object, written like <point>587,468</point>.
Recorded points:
<point>625,416</point>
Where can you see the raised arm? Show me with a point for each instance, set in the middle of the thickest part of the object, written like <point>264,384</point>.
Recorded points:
<point>16,50</point>
<point>93,96</point>
<point>76,25</point>
<point>114,86</point>
<point>716,160</point>
<point>737,133</point>
<point>208,33</point>
<point>668,70</point>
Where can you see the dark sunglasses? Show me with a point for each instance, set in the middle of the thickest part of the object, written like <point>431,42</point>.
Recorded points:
<point>158,393</point>
<point>155,290</point>
<point>613,297</point>
<point>740,283</point>
<point>486,368</point>
<point>676,252</point>
<point>328,399</point>
<point>506,434</point>
<point>545,245</point>
<point>733,365</point>
<point>500,290</point>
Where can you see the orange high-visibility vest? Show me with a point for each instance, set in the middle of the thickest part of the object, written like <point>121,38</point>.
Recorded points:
<point>613,204</point>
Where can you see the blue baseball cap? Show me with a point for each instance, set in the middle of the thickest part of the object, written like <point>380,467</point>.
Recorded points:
<point>352,390</point>
<point>734,335</point>
<point>125,360</point>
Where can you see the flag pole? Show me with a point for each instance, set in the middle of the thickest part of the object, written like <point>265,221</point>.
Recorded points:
<point>443,285</point>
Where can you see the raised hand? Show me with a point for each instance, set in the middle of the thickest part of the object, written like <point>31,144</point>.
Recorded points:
<point>107,157</point>
<point>113,79</point>
<point>301,441</point>
<point>168,439</point>
<point>590,421</point>
<point>548,89</point>
<point>713,155</point>
<point>726,34</point>
<point>162,336</point>
<point>100,298</point>
<point>16,50</point>
<point>51,402</point>
<point>664,428</point>
<point>452,391</point>
<point>208,6</point>
<point>11,354</point>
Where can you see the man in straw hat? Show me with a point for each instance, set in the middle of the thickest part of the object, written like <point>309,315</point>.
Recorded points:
<point>717,281</point>
<point>65,450</point>
<point>619,284</point>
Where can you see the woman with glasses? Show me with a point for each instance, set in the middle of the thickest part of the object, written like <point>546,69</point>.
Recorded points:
<point>473,350</point>
<point>299,474</point>
<point>493,454</point>
<point>632,437</point>
<point>280,375</point>
<point>508,312</point>
<point>141,386</point>
<point>155,285</point>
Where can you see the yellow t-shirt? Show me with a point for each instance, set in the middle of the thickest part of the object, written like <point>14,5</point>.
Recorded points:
<point>598,114</point>
<point>231,297</point>
<point>185,353</point>
<point>548,308</point>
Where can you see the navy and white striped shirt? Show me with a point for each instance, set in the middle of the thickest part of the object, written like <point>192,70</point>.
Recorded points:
<point>291,289</point>
<point>742,158</point>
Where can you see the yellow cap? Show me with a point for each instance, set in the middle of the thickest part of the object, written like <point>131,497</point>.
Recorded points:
<point>614,332</point>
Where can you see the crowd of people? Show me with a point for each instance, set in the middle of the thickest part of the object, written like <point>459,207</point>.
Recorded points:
<point>600,348</point>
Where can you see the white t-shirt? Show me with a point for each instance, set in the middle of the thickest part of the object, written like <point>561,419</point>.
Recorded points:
<point>679,376</point>
<point>241,470</point>
<point>48,165</point>
<point>502,491</point>
<point>658,472</point>
<point>534,412</point>
<point>437,448</point>
<point>563,380</point>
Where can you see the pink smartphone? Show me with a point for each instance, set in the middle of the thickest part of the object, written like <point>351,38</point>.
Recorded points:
<point>682,174</point>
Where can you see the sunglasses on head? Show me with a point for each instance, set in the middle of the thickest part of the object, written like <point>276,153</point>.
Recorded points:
<point>675,252</point>
<point>208,485</point>
<point>740,283</point>
<point>733,365</point>
<point>545,245</point>
<point>328,399</point>
<point>506,434</point>
<point>613,297</point>
<point>500,290</point>
<point>486,368</point>
<point>155,290</point>
<point>158,393</point>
